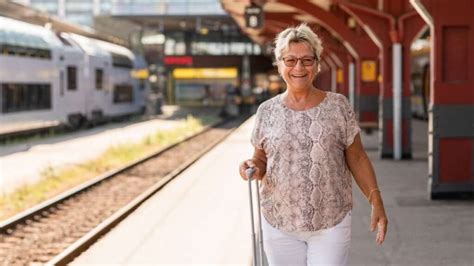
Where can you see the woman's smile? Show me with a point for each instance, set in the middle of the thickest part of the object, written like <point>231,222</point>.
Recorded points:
<point>297,73</point>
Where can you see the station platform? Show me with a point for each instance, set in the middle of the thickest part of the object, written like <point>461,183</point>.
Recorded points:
<point>202,217</point>
<point>22,128</point>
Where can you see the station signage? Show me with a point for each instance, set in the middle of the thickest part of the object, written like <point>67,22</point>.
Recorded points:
<point>140,73</point>
<point>368,71</point>
<point>253,17</point>
<point>340,76</point>
<point>178,60</point>
<point>205,73</point>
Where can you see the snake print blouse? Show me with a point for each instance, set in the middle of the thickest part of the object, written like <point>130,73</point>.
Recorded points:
<point>307,185</point>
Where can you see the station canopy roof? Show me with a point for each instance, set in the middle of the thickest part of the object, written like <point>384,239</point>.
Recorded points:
<point>123,26</point>
<point>278,14</point>
<point>333,20</point>
<point>27,14</point>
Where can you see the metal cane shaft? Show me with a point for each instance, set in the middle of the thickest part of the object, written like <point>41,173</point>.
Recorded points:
<point>249,172</point>
<point>260,221</point>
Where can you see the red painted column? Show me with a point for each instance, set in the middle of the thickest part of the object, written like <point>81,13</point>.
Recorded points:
<point>323,80</point>
<point>396,24</point>
<point>451,116</point>
<point>342,58</point>
<point>342,75</point>
<point>333,66</point>
<point>367,88</point>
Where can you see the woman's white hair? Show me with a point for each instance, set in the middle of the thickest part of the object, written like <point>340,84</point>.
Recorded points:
<point>301,33</point>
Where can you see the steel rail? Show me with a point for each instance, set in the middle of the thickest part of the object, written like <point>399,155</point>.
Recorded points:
<point>41,209</point>
<point>82,244</point>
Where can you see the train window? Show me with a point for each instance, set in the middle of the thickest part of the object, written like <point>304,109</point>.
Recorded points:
<point>61,82</point>
<point>15,50</point>
<point>48,54</point>
<point>123,93</point>
<point>121,61</point>
<point>99,78</point>
<point>72,78</point>
<point>12,51</point>
<point>4,49</point>
<point>22,51</point>
<point>45,54</point>
<point>25,97</point>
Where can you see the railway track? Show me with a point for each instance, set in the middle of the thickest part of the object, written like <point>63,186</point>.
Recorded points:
<point>57,231</point>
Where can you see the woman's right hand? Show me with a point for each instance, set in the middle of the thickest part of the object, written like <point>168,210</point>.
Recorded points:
<point>250,164</point>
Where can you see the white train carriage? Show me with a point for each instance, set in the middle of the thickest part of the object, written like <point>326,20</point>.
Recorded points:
<point>127,96</point>
<point>48,78</point>
<point>31,92</point>
<point>108,72</point>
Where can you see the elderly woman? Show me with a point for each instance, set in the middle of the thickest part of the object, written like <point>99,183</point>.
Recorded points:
<point>307,144</point>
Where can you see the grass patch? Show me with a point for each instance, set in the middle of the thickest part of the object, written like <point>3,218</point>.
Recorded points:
<point>55,181</point>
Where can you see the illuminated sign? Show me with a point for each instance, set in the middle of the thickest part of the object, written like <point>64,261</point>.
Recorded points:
<point>340,76</point>
<point>368,71</point>
<point>140,73</point>
<point>204,73</point>
<point>154,39</point>
<point>178,60</point>
<point>253,17</point>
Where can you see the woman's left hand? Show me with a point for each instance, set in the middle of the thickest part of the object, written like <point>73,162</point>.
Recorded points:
<point>378,219</point>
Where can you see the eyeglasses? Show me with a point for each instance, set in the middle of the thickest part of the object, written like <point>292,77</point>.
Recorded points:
<point>291,61</point>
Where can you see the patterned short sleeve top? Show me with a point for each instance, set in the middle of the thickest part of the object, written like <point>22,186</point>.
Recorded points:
<point>308,186</point>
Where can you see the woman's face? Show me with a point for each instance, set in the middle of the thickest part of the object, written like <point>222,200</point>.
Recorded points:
<point>298,66</point>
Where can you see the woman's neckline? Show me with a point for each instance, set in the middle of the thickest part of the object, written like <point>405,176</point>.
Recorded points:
<point>280,100</point>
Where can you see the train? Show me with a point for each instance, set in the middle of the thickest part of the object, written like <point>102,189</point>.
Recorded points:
<point>65,78</point>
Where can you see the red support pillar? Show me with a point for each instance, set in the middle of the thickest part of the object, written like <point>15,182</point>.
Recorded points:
<point>451,113</point>
<point>334,65</point>
<point>391,28</point>
<point>342,72</point>
<point>323,81</point>
<point>342,59</point>
<point>342,76</point>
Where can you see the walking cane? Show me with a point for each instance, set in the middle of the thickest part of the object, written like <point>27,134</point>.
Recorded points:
<point>258,259</point>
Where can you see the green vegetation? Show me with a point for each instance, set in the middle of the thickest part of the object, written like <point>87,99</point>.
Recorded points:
<point>55,181</point>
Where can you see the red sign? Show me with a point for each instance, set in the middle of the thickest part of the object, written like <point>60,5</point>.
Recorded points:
<point>178,60</point>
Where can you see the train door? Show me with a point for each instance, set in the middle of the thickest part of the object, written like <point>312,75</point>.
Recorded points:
<point>71,90</point>
<point>98,86</point>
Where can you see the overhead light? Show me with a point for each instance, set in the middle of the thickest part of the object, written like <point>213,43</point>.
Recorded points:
<point>153,78</point>
<point>154,39</point>
<point>204,31</point>
<point>351,22</point>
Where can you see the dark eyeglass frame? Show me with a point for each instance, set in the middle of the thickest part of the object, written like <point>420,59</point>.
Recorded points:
<point>302,59</point>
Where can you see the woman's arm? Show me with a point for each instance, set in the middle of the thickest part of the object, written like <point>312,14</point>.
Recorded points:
<point>258,161</point>
<point>364,175</point>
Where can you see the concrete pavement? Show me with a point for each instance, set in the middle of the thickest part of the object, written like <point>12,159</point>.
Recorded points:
<point>202,217</point>
<point>420,231</point>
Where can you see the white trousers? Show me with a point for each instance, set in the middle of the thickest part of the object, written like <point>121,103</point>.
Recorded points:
<point>324,247</point>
